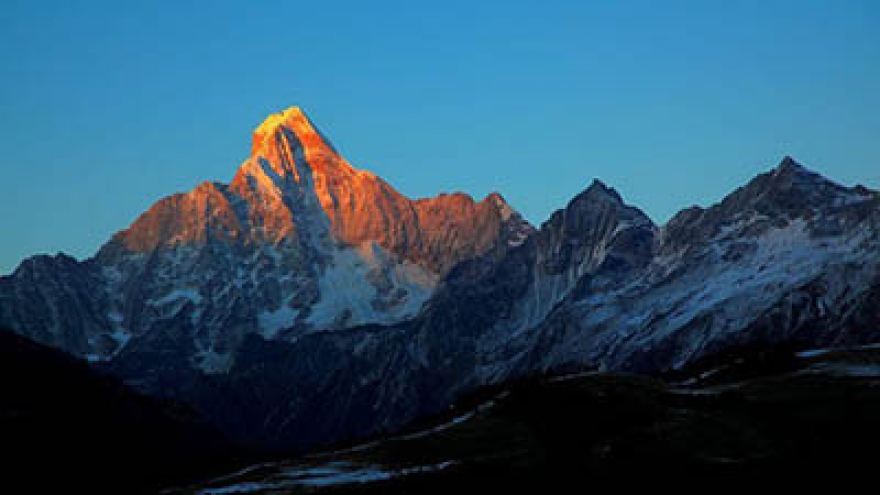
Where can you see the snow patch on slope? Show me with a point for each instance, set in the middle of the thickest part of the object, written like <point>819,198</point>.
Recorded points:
<point>272,322</point>
<point>331,474</point>
<point>178,294</point>
<point>713,294</point>
<point>366,284</point>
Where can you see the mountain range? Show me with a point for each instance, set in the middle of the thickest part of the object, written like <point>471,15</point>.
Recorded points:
<point>299,241</point>
<point>307,302</point>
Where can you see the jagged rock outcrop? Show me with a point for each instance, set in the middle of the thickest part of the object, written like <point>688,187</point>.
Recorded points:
<point>788,257</point>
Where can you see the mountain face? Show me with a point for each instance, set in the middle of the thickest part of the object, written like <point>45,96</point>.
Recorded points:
<point>299,241</point>
<point>789,258</point>
<point>346,384</point>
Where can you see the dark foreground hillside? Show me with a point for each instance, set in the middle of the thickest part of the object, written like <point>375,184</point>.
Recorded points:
<point>67,429</point>
<point>793,418</point>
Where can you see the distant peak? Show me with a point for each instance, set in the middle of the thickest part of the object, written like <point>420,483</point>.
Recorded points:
<point>288,117</point>
<point>596,194</point>
<point>788,161</point>
<point>598,184</point>
<point>501,204</point>
<point>599,189</point>
<point>790,190</point>
<point>293,119</point>
<point>789,165</point>
<point>790,174</point>
<point>496,198</point>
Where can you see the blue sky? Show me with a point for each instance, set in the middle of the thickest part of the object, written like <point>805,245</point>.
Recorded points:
<point>107,106</point>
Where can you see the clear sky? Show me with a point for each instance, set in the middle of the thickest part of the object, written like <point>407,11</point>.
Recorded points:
<point>107,106</point>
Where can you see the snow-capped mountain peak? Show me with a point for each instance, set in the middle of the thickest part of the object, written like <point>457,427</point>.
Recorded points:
<point>292,120</point>
<point>599,191</point>
<point>299,241</point>
<point>792,186</point>
<point>789,165</point>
